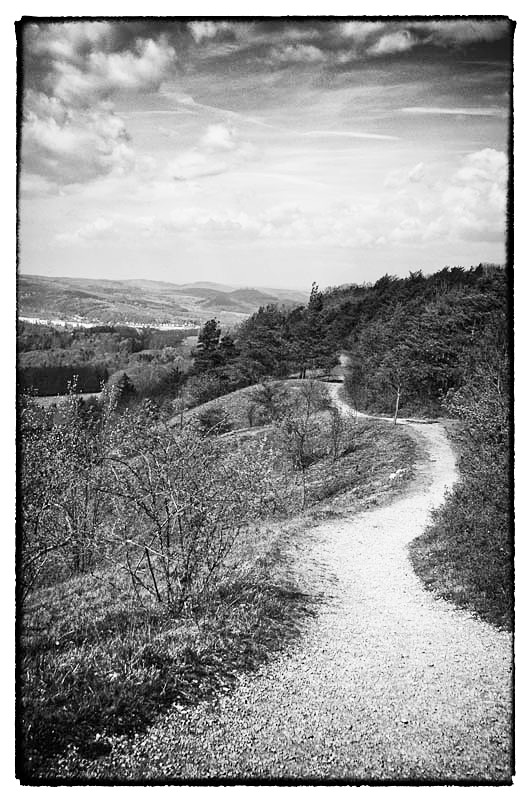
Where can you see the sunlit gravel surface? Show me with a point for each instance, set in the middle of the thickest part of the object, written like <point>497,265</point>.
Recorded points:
<point>386,684</point>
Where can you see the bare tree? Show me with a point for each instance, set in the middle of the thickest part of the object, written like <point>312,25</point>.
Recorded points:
<point>299,430</point>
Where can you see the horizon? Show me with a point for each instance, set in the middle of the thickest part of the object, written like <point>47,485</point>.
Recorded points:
<point>257,287</point>
<point>263,153</point>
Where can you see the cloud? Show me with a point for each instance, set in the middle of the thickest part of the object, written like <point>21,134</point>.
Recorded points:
<point>465,31</point>
<point>83,62</point>
<point>70,133</point>
<point>89,232</point>
<point>207,29</point>
<point>195,164</point>
<point>417,173</point>
<point>103,74</point>
<point>72,147</point>
<point>388,38</point>
<point>467,205</point>
<point>218,150</point>
<point>297,53</point>
<point>349,135</point>
<point>359,31</point>
<point>470,206</point>
<point>399,178</point>
<point>409,230</point>
<point>36,185</point>
<point>218,137</point>
<point>491,111</point>
<point>484,166</point>
<point>397,42</point>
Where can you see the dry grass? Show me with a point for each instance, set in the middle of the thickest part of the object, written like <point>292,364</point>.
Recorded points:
<point>96,667</point>
<point>236,405</point>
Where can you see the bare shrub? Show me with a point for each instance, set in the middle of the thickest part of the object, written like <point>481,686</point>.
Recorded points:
<point>61,498</point>
<point>180,502</point>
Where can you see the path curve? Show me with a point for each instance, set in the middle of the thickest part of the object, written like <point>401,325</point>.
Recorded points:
<point>387,684</point>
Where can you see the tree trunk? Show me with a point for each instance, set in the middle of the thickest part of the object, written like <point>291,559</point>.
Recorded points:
<point>397,404</point>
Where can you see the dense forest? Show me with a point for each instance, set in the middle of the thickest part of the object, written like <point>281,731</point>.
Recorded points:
<point>49,360</point>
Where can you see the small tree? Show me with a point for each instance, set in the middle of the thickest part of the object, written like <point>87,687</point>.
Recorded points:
<point>337,432</point>
<point>299,431</point>
<point>271,397</point>
<point>124,390</point>
<point>207,354</point>
<point>214,420</point>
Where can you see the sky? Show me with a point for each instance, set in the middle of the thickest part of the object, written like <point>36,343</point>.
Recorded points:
<point>266,153</point>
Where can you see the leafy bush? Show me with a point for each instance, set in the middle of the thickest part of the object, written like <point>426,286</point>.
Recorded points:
<point>467,554</point>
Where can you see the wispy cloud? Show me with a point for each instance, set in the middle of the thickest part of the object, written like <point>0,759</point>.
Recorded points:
<point>490,111</point>
<point>297,53</point>
<point>192,106</point>
<point>349,135</point>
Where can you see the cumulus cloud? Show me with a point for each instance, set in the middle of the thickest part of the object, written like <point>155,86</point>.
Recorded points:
<point>207,29</point>
<point>475,203</point>
<point>486,165</point>
<point>72,147</point>
<point>359,31</point>
<point>397,42</point>
<point>469,205</point>
<point>83,62</point>
<point>388,38</point>
<point>103,74</point>
<point>218,137</point>
<point>70,133</point>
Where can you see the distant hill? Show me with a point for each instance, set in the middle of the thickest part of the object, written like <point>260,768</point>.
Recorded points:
<point>143,301</point>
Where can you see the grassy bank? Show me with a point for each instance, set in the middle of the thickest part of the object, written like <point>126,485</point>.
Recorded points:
<point>466,555</point>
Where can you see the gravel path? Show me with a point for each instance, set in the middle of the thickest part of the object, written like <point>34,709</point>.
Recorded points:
<point>387,683</point>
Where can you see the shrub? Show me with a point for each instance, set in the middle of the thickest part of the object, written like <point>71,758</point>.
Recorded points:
<point>180,501</point>
<point>213,420</point>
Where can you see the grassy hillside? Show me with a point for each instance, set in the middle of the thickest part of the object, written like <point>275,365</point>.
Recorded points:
<point>98,665</point>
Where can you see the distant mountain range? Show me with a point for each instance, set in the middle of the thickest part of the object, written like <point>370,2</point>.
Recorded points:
<point>143,301</point>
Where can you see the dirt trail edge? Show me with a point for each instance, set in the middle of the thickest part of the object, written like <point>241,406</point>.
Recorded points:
<point>387,684</point>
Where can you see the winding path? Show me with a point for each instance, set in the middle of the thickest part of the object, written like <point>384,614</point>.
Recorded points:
<point>387,684</point>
